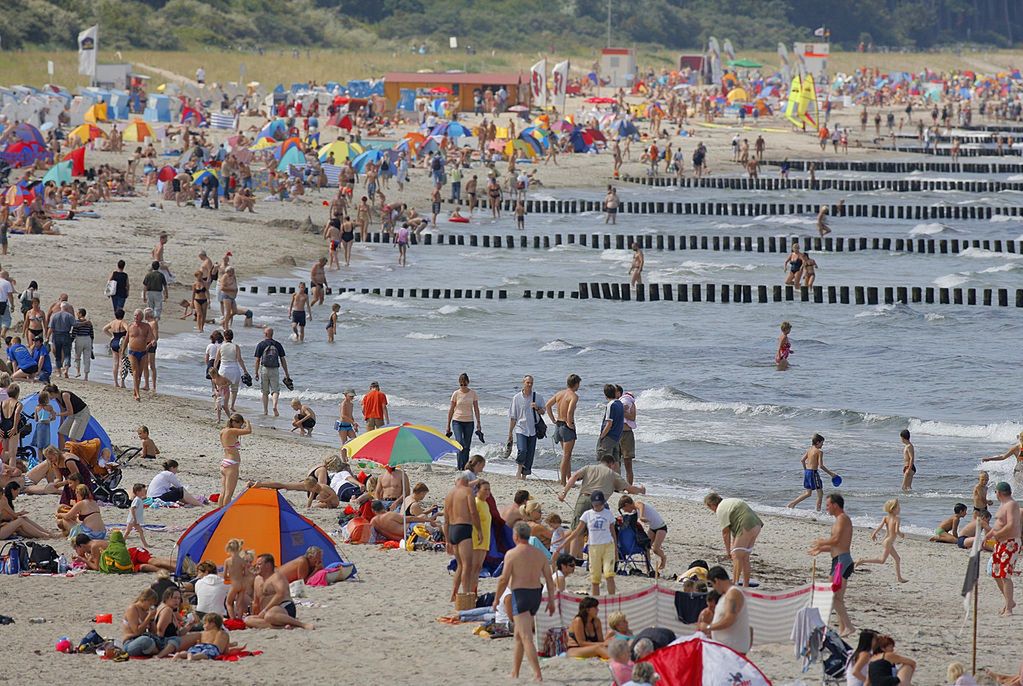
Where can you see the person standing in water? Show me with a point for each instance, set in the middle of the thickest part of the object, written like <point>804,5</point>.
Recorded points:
<point>822,221</point>
<point>908,461</point>
<point>636,270</point>
<point>794,263</point>
<point>1015,451</point>
<point>565,402</point>
<point>813,461</point>
<point>297,312</point>
<point>781,358</point>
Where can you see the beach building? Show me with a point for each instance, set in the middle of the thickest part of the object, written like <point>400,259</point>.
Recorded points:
<point>457,86</point>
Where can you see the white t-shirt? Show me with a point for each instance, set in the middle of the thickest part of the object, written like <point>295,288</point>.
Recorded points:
<point>5,290</point>
<point>628,401</point>
<point>138,507</point>
<point>211,351</point>
<point>212,594</point>
<point>339,479</point>
<point>163,482</point>
<point>500,614</point>
<point>653,517</point>
<point>598,525</point>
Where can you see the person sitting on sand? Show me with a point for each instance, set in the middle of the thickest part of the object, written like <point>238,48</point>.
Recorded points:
<point>44,478</point>
<point>83,517</point>
<point>886,667</point>
<point>620,663</point>
<point>137,622</point>
<point>948,530</point>
<point>318,494</point>
<point>305,418</point>
<point>272,605</point>
<point>585,635</point>
<point>212,643</point>
<point>14,522</point>
<point>305,566</point>
<point>166,486</point>
<point>387,524</point>
<point>91,552</point>
<point>245,200</point>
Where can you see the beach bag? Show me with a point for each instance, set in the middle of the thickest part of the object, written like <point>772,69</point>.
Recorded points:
<point>111,288</point>
<point>14,557</point>
<point>555,642</point>
<point>271,356</point>
<point>42,558</point>
<point>90,642</point>
<point>541,425</point>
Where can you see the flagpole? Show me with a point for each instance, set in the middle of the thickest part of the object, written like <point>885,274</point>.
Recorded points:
<point>976,587</point>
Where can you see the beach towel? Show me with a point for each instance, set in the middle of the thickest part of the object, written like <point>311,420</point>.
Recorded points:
<point>116,559</point>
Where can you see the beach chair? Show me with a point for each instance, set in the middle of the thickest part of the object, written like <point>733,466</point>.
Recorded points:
<point>835,657</point>
<point>633,547</point>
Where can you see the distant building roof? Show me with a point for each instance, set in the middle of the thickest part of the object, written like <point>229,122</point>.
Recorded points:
<point>475,79</point>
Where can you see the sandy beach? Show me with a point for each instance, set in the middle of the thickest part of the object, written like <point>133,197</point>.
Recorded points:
<point>382,629</point>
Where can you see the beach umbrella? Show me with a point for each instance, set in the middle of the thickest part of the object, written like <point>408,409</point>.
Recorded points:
<point>415,136</point>
<point>600,101</point>
<point>391,446</point>
<point>452,130</point>
<point>294,157</point>
<point>360,162</point>
<point>167,173</point>
<point>20,193</point>
<point>263,144</point>
<point>26,133</point>
<point>77,159</point>
<point>59,173</point>
<point>24,153</point>
<point>342,151</point>
<point>87,132</point>
<point>408,146</point>
<point>200,176</point>
<point>519,147</point>
<point>190,114</point>
<point>698,661</point>
<point>137,131</point>
<point>278,127</point>
<point>291,143</point>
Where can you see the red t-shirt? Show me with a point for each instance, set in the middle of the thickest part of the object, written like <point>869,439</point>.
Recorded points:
<point>373,404</point>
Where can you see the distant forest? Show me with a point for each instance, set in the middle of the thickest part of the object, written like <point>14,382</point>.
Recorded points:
<point>508,24</point>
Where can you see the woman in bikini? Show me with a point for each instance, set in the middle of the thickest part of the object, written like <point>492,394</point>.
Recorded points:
<point>10,413</point>
<point>585,638</point>
<point>809,271</point>
<point>117,330</point>
<point>230,439</point>
<point>200,301</point>
<point>83,515</point>
<point>35,320</point>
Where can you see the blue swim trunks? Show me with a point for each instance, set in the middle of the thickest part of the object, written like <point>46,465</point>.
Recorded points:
<point>208,649</point>
<point>812,480</point>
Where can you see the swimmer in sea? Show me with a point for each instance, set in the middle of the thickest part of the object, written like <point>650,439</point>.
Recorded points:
<point>822,223</point>
<point>908,461</point>
<point>781,358</point>
<point>794,263</point>
<point>809,271</point>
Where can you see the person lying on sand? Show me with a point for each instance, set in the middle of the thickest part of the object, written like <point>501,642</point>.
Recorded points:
<point>91,552</point>
<point>318,494</point>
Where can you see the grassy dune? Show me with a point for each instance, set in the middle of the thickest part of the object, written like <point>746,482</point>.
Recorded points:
<point>280,66</point>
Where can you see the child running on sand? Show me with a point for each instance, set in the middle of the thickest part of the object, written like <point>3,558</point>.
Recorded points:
<point>237,572</point>
<point>891,524</point>
<point>781,358</point>
<point>135,514</point>
<point>335,310</point>
<point>813,460</point>
<point>908,461</point>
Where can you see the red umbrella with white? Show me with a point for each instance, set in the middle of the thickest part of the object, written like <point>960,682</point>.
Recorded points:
<point>698,661</point>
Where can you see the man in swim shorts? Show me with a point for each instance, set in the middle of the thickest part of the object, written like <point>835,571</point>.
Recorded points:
<point>813,460</point>
<point>1006,530</point>
<point>297,311</point>
<point>460,518</point>
<point>525,567</point>
<point>318,281</point>
<point>838,544</point>
<point>565,401</point>
<point>272,605</point>
<point>140,339</point>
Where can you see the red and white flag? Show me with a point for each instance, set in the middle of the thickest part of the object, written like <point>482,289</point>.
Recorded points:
<point>559,84</point>
<point>538,83</point>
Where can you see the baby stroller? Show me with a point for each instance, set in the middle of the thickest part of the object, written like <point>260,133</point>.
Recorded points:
<point>105,479</point>
<point>835,657</point>
<point>633,547</point>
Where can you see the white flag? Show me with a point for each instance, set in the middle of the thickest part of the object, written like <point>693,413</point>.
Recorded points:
<point>538,83</point>
<point>559,84</point>
<point>819,32</point>
<point>88,44</point>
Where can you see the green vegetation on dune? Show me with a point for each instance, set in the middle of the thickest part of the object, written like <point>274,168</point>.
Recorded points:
<point>518,25</point>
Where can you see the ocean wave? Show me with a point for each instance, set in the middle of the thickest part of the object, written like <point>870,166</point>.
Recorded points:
<point>999,432</point>
<point>1002,218</point>
<point>951,280</point>
<point>786,220</point>
<point>668,398</point>
<point>933,317</point>
<point>999,268</point>
<point>980,253</point>
<point>455,309</point>
<point>877,311</point>
<point>931,229</point>
<point>375,300</point>
<point>616,255</point>
<point>424,336</point>
<point>557,345</point>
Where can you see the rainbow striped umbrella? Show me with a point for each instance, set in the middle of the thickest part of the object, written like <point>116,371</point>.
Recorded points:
<point>396,445</point>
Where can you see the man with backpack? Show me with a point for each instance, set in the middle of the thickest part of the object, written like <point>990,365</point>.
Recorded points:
<point>270,358</point>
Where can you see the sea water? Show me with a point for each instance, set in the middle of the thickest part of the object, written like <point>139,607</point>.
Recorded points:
<point>713,410</point>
